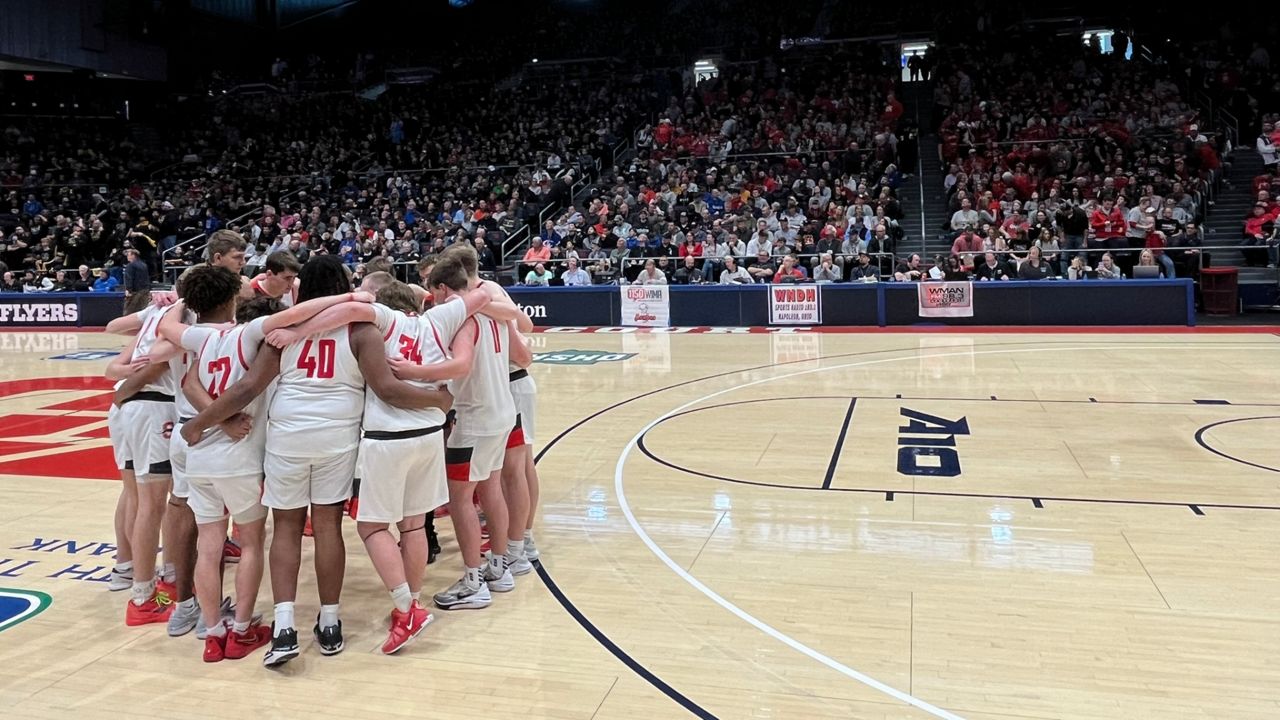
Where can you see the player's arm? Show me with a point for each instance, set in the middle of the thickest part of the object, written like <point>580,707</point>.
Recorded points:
<point>135,382</point>
<point>126,325</point>
<point>246,288</point>
<point>461,350</point>
<point>503,308</point>
<point>236,427</point>
<point>171,325</point>
<point>122,365</point>
<point>265,368</point>
<point>305,311</point>
<point>366,344</point>
<point>333,318</point>
<point>521,349</point>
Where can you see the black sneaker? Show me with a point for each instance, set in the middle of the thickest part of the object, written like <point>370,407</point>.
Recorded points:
<point>330,638</point>
<point>433,540</point>
<point>284,647</point>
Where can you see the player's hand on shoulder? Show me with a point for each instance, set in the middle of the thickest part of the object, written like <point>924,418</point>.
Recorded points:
<point>362,296</point>
<point>283,337</point>
<point>163,298</point>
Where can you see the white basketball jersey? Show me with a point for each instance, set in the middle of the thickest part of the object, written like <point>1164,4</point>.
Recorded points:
<point>167,383</point>
<point>421,339</point>
<point>183,405</point>
<point>319,398</point>
<point>224,359</point>
<point>483,397</point>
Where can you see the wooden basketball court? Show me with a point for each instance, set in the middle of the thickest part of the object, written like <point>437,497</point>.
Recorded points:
<point>793,525</point>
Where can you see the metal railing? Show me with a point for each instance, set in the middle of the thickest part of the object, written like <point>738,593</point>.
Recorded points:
<point>177,249</point>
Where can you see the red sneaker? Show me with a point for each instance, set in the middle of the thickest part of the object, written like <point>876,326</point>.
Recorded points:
<point>230,552</point>
<point>151,611</point>
<point>215,648</point>
<point>168,590</point>
<point>405,626</point>
<point>306,531</point>
<point>239,645</point>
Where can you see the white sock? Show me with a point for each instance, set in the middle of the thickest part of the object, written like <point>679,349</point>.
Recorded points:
<point>124,567</point>
<point>401,596</point>
<point>218,630</point>
<point>142,591</point>
<point>498,562</point>
<point>239,627</point>
<point>169,574</point>
<point>417,597</point>
<point>528,536</point>
<point>284,616</point>
<point>473,576</point>
<point>328,615</point>
<point>188,604</point>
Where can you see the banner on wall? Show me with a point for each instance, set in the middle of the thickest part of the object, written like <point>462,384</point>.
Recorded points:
<point>945,299</point>
<point>646,305</point>
<point>39,310</point>
<point>795,305</point>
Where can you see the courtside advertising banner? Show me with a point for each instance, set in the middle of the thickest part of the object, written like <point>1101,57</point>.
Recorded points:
<point>945,299</point>
<point>646,305</point>
<point>795,305</point>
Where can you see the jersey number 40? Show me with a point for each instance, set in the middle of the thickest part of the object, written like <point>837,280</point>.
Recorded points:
<point>319,364</point>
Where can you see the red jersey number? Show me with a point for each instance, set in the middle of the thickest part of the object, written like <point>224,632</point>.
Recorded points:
<point>411,348</point>
<point>319,365</point>
<point>220,370</point>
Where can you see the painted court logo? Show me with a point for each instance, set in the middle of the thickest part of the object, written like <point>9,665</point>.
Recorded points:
<point>19,605</point>
<point>580,357</point>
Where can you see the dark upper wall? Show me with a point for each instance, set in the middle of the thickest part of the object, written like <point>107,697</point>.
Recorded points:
<point>90,34</point>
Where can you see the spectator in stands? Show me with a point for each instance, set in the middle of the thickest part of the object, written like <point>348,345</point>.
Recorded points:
<point>650,275</point>
<point>827,270</point>
<point>790,271</point>
<point>1047,243</point>
<point>575,276</point>
<point>1078,269</point>
<point>688,272</point>
<point>1147,259</point>
<point>909,270</point>
<point>965,217</point>
<point>486,260</point>
<point>105,283</point>
<point>967,243</point>
<point>137,277</point>
<point>33,282</point>
<point>1107,269</point>
<point>1073,221</point>
<point>864,270</point>
<point>1266,147</point>
<point>733,273</point>
<point>992,268</point>
<point>1035,267</point>
<point>762,269</point>
<point>1258,230</point>
<point>539,276</point>
<point>10,283</point>
<point>82,281</point>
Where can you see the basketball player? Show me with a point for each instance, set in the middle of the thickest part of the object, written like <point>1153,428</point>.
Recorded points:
<point>486,414</point>
<point>313,429</point>
<point>279,279</point>
<point>119,369</point>
<point>178,530</point>
<point>402,481</point>
<point>141,430</point>
<point>517,489</point>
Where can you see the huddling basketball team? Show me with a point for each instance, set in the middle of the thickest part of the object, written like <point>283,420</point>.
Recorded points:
<point>277,394</point>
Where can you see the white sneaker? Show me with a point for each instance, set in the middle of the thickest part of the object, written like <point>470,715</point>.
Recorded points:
<point>461,596</point>
<point>183,621</point>
<point>519,565</point>
<point>531,550</point>
<point>499,582</point>
<point>120,580</point>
